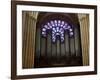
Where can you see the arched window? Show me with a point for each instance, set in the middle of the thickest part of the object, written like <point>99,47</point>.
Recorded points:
<point>57,41</point>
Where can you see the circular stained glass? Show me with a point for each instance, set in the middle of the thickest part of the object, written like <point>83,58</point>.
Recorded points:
<point>58,28</point>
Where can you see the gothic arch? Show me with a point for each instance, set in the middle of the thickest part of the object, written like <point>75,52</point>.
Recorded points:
<point>49,54</point>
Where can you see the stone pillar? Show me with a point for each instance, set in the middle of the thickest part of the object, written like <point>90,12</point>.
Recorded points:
<point>84,30</point>
<point>28,38</point>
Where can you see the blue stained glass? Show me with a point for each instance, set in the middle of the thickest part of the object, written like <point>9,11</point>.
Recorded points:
<point>50,27</point>
<point>44,34</point>
<point>62,22</point>
<point>53,31</point>
<point>52,23</point>
<point>53,34</point>
<point>55,22</point>
<point>58,24</point>
<point>62,34</point>
<point>62,31</point>
<point>58,27</point>
<point>59,21</point>
<point>64,27</point>
<point>61,28</point>
<point>62,38</point>
<point>53,38</point>
<point>66,24</point>
<point>43,29</point>
<point>57,33</point>
<point>53,28</point>
<point>45,26</point>
<point>71,33</point>
<point>70,29</point>
<point>48,24</point>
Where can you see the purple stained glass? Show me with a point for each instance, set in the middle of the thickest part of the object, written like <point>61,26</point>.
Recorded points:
<point>58,27</point>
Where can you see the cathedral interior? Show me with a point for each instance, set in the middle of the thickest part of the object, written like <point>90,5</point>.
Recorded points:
<point>52,39</point>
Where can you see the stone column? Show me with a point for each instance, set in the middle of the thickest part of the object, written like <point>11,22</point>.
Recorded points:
<point>84,30</point>
<point>28,38</point>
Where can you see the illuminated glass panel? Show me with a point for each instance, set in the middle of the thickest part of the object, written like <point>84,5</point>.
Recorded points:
<point>58,28</point>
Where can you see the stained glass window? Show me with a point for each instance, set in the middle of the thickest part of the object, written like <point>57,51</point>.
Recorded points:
<point>57,28</point>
